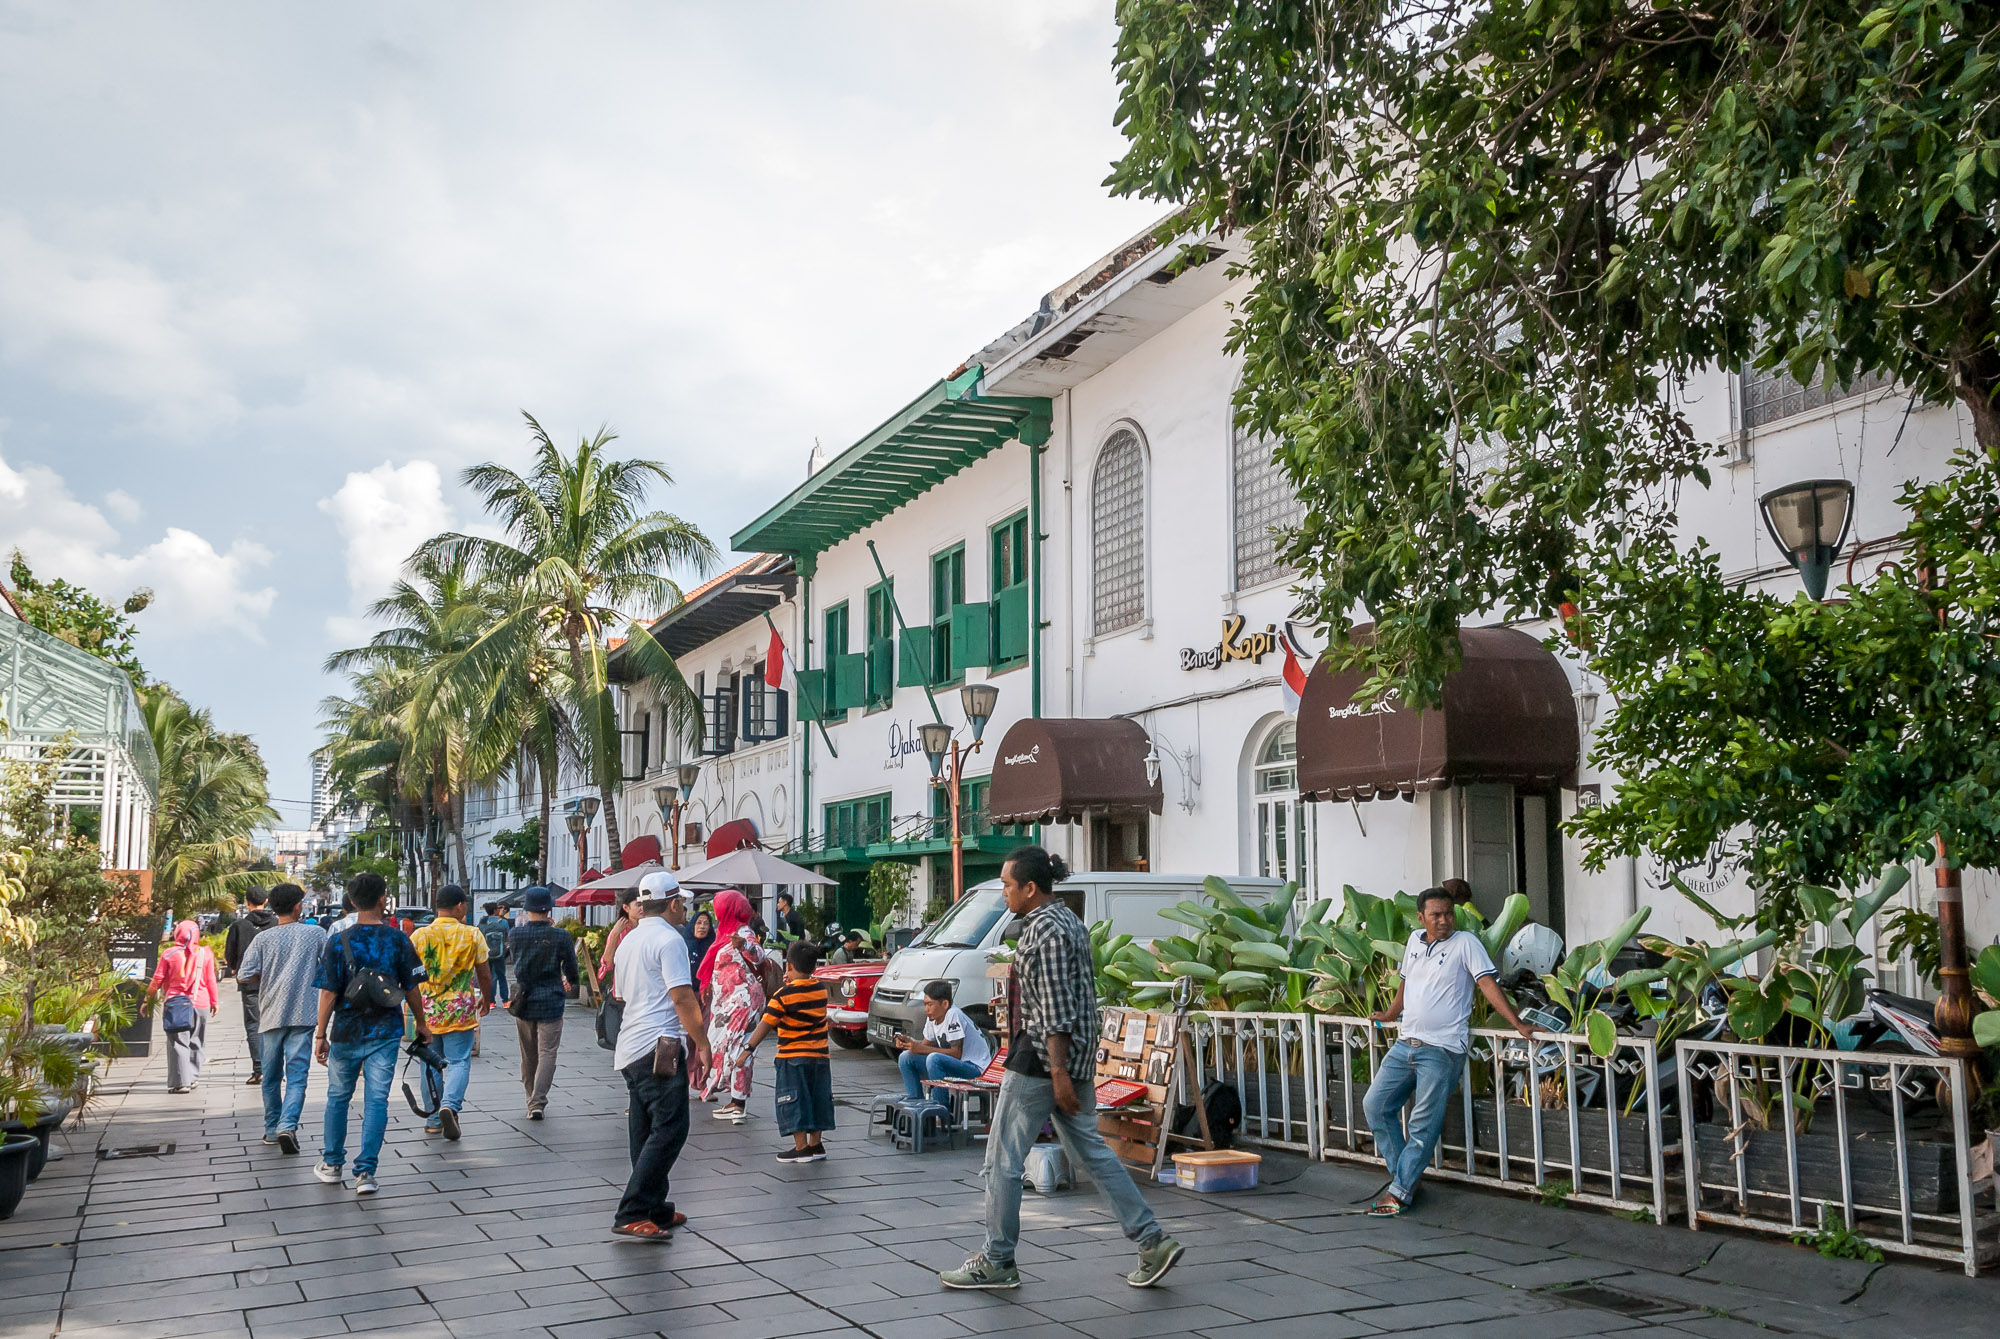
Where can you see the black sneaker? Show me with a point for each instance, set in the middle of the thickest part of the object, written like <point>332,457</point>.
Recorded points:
<point>288,1141</point>
<point>799,1155</point>
<point>814,1153</point>
<point>448,1122</point>
<point>253,1080</point>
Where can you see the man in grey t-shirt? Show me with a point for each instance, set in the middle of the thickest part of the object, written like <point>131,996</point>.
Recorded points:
<point>1442,965</point>
<point>280,963</point>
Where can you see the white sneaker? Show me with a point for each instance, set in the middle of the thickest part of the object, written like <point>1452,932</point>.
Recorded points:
<point>330,1175</point>
<point>727,1112</point>
<point>364,1184</point>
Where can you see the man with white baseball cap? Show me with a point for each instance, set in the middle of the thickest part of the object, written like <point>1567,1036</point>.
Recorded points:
<point>662,1046</point>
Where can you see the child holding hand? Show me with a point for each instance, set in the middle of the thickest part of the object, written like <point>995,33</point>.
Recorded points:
<point>804,1074</point>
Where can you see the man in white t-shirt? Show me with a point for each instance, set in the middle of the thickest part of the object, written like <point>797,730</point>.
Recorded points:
<point>657,983</point>
<point>1442,965</point>
<point>952,1047</point>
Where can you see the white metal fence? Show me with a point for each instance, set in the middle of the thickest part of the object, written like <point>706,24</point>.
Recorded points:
<point>1749,1165</point>
<point>1545,1115</point>
<point>1269,1058</point>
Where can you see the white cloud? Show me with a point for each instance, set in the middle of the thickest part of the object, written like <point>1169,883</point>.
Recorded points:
<point>198,588</point>
<point>382,516</point>
<point>123,505</point>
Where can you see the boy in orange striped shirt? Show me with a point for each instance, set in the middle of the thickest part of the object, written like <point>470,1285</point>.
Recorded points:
<point>797,1013</point>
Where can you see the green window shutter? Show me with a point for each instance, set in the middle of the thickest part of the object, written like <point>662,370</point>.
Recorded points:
<point>1010,618</point>
<point>913,668</point>
<point>971,636</point>
<point>881,669</point>
<point>811,694</point>
<point>850,680</point>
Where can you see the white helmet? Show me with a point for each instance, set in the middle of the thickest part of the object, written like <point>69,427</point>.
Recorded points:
<point>1534,948</point>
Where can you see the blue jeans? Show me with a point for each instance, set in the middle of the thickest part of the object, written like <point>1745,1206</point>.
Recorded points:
<point>1430,1073</point>
<point>373,1063</point>
<point>499,966</point>
<point>457,1049</point>
<point>916,1068</point>
<point>1024,1104</point>
<point>286,1061</point>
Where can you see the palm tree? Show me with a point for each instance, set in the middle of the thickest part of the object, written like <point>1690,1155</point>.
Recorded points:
<point>579,553</point>
<point>213,795</point>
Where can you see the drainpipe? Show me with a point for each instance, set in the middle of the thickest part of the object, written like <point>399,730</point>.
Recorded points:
<point>1035,538</point>
<point>807,563</point>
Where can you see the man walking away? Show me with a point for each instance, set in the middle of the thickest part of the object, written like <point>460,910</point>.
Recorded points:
<point>280,967</point>
<point>458,991</point>
<point>367,973</point>
<point>495,927</point>
<point>1441,965</point>
<point>255,919</point>
<point>1051,1068</point>
<point>662,1047</point>
<point>544,973</point>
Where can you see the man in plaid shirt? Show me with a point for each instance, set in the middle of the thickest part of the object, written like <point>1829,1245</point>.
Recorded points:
<point>1051,1067</point>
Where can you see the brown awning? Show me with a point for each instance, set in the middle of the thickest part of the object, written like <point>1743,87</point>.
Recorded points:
<point>1057,770</point>
<point>1508,716</point>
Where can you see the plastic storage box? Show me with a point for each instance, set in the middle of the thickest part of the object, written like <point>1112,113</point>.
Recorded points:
<point>1224,1169</point>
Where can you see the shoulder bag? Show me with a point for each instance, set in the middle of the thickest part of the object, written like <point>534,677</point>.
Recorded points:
<point>177,1012</point>
<point>367,987</point>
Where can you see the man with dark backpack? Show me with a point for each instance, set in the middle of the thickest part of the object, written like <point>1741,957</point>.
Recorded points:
<point>367,974</point>
<point>255,918</point>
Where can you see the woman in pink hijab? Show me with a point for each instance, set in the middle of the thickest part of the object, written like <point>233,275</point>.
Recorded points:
<point>187,970</point>
<point>733,988</point>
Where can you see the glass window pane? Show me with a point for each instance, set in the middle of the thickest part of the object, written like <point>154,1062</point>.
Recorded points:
<point>1118,530</point>
<point>1263,499</point>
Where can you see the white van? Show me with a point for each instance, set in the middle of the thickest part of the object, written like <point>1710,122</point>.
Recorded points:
<point>954,949</point>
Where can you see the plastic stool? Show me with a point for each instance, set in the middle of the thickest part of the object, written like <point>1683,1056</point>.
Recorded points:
<point>914,1118</point>
<point>882,1110</point>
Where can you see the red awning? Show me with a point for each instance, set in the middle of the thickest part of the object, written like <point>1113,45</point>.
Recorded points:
<point>640,850</point>
<point>1508,716</point>
<point>734,835</point>
<point>587,897</point>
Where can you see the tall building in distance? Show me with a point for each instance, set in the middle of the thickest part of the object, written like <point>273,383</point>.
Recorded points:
<point>322,789</point>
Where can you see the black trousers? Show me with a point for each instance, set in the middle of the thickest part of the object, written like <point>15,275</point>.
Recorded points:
<point>657,1125</point>
<point>250,1029</point>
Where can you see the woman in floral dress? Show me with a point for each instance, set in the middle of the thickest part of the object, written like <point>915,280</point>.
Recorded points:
<point>734,989</point>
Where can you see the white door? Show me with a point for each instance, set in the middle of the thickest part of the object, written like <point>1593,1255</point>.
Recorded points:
<point>1285,824</point>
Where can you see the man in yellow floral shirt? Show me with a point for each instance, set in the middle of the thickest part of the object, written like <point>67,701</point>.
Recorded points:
<point>458,990</point>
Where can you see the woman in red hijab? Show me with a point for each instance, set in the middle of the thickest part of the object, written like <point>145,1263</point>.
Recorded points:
<point>187,969</point>
<point>734,990</point>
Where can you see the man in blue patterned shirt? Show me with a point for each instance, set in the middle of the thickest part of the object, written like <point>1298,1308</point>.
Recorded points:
<point>1051,1068</point>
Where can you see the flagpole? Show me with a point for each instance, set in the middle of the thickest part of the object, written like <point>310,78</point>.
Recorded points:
<point>818,715</point>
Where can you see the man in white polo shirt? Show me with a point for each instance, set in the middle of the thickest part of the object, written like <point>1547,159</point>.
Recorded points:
<point>662,1047</point>
<point>1442,964</point>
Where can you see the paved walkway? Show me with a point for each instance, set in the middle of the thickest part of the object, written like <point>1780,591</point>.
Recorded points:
<point>504,1235</point>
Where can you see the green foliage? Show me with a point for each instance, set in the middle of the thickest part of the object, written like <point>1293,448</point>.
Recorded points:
<point>1986,980</point>
<point>80,618</point>
<point>517,851</point>
<point>1836,1241</point>
<point>1909,933</point>
<point>1554,1194</point>
<point>1600,199</point>
<point>889,885</point>
<point>213,795</point>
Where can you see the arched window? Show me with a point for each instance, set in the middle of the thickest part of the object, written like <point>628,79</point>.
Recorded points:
<point>1263,500</point>
<point>1285,824</point>
<point>1118,534</point>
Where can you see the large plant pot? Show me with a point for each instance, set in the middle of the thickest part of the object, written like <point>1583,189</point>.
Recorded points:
<point>1871,1168</point>
<point>1593,1137</point>
<point>41,1131</point>
<point>15,1150</point>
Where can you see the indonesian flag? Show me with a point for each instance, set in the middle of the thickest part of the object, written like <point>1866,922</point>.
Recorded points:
<point>776,658</point>
<point>1293,681</point>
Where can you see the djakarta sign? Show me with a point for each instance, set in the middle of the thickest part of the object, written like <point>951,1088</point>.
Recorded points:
<point>1233,646</point>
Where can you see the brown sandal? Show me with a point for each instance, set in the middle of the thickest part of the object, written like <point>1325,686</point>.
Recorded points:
<point>643,1230</point>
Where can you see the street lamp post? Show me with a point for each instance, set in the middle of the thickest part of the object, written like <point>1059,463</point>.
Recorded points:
<point>939,743</point>
<point>672,800</point>
<point>579,831</point>
<point>1810,521</point>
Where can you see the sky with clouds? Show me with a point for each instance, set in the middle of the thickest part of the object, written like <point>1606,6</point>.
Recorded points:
<point>272,275</point>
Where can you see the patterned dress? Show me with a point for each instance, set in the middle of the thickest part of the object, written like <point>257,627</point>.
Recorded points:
<point>736,1003</point>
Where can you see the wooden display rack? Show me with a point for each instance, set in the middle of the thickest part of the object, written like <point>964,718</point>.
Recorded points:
<point>1150,1048</point>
